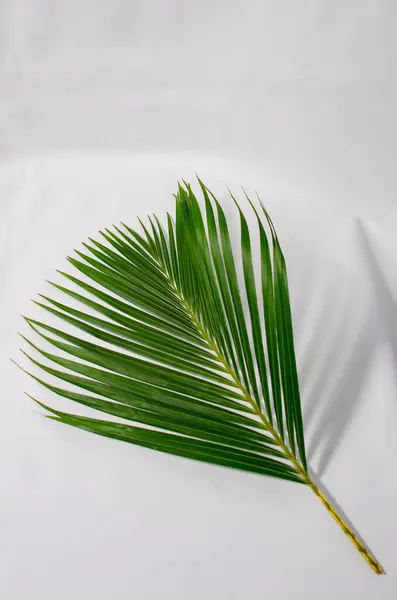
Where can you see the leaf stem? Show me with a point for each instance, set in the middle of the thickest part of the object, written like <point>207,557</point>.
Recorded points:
<point>347,530</point>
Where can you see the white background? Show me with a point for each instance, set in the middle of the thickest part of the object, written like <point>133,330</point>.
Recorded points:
<point>103,106</point>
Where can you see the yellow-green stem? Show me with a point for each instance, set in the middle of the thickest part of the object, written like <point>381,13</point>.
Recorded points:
<point>364,551</point>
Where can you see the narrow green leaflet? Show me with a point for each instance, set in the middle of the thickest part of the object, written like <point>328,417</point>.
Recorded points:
<point>270,322</point>
<point>251,293</point>
<point>187,447</point>
<point>292,403</point>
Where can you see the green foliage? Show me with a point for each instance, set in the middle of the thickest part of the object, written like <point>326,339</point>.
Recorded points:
<point>196,359</point>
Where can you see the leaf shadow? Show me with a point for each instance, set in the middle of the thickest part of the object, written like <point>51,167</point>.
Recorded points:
<point>386,303</point>
<point>334,369</point>
<point>340,404</point>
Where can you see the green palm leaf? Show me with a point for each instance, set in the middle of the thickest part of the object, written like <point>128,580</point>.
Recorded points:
<point>166,339</point>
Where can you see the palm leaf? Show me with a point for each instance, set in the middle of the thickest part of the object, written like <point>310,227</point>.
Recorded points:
<point>162,335</point>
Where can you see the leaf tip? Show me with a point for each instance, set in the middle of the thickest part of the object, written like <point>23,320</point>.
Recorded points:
<point>14,362</point>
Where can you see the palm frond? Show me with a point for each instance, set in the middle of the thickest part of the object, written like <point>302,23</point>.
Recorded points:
<point>165,338</point>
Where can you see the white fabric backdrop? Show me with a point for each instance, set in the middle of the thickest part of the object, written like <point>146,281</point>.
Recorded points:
<point>103,106</point>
